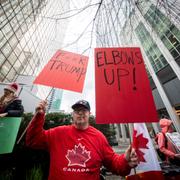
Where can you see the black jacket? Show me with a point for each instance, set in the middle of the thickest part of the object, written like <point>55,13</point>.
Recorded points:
<point>14,109</point>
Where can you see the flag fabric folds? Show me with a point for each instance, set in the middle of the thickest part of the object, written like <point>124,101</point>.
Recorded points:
<point>148,167</point>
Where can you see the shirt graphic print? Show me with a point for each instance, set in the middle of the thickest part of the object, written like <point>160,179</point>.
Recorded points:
<point>78,156</point>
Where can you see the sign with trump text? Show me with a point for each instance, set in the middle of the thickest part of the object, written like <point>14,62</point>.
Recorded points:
<point>65,70</point>
<point>123,93</point>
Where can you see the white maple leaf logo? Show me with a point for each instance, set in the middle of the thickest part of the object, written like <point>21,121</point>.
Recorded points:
<point>78,156</point>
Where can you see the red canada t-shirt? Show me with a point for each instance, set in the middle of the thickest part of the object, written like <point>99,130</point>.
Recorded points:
<point>75,154</point>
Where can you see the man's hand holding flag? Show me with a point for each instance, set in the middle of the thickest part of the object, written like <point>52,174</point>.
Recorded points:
<point>148,166</point>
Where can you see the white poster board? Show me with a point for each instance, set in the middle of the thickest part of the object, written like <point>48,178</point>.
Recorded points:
<point>175,139</point>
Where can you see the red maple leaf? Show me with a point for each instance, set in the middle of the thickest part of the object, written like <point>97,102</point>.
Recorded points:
<point>78,156</point>
<point>139,142</point>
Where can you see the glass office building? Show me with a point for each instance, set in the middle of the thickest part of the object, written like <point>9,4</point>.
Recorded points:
<point>54,100</point>
<point>154,27</point>
<point>28,31</point>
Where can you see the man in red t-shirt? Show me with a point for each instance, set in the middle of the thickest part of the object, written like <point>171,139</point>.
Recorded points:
<point>77,151</point>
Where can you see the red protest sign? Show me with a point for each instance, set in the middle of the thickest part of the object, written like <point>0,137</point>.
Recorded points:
<point>123,93</point>
<point>65,70</point>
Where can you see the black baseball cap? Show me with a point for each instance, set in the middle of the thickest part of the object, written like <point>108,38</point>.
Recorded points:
<point>81,103</point>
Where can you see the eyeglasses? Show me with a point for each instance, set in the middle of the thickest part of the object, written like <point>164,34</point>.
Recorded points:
<point>81,112</point>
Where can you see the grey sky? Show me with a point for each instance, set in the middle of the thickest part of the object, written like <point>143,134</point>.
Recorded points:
<point>76,27</point>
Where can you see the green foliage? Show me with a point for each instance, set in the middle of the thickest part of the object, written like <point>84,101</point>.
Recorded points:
<point>26,118</point>
<point>34,173</point>
<point>52,120</point>
<point>57,119</point>
<point>6,174</point>
<point>107,129</point>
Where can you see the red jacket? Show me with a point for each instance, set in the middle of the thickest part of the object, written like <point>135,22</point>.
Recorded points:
<point>75,154</point>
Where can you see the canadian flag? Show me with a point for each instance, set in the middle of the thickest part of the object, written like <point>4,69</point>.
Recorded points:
<point>148,167</point>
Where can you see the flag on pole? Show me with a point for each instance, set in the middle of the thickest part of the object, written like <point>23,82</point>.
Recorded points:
<point>148,167</point>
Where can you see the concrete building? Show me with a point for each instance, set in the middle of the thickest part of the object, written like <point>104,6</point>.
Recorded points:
<point>155,28</point>
<point>28,32</point>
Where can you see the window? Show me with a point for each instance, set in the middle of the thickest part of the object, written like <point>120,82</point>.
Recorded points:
<point>2,58</point>
<point>13,41</point>
<point>173,40</point>
<point>152,51</point>
<point>1,35</point>
<point>12,58</point>
<point>6,50</point>
<point>11,74</point>
<point>174,53</point>
<point>169,34</point>
<point>1,77</point>
<point>6,68</point>
<point>18,66</point>
<point>2,42</point>
<point>7,30</point>
<point>22,57</point>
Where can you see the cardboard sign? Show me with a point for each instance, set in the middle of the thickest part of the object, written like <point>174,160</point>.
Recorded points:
<point>123,93</point>
<point>9,127</point>
<point>65,70</point>
<point>175,140</point>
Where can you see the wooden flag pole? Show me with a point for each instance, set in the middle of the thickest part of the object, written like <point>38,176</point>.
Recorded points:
<point>23,133</point>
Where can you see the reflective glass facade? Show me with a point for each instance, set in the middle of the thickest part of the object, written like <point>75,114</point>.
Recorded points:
<point>54,100</point>
<point>153,53</point>
<point>27,30</point>
<point>166,30</point>
<point>16,18</point>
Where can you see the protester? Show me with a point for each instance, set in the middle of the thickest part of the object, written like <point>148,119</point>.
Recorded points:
<point>165,145</point>
<point>77,151</point>
<point>10,104</point>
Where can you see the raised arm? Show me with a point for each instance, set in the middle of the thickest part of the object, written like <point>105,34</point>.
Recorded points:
<point>36,136</point>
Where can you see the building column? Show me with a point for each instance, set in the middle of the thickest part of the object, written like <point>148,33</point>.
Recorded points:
<point>123,131</point>
<point>155,127</point>
<point>117,132</point>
